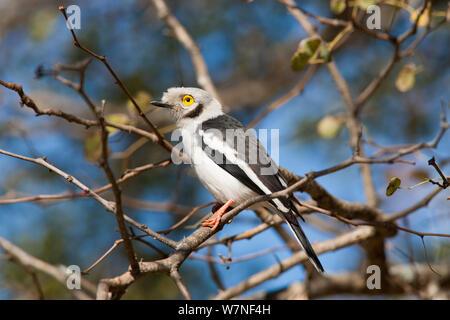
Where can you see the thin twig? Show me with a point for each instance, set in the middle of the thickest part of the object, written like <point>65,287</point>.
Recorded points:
<point>381,224</point>
<point>190,214</point>
<point>445,180</point>
<point>296,90</point>
<point>109,205</point>
<point>160,139</point>
<point>104,163</point>
<point>56,272</point>
<point>116,243</point>
<point>212,269</point>
<point>71,195</point>
<point>31,272</point>
<point>414,207</point>
<point>175,275</point>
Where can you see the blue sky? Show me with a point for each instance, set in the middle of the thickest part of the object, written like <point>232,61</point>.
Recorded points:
<point>320,97</point>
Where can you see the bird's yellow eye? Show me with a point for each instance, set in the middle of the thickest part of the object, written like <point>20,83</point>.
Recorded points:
<point>188,100</point>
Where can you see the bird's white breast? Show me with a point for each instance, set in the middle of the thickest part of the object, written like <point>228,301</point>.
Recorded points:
<point>216,180</point>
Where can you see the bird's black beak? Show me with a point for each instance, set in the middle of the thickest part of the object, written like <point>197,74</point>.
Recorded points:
<point>161,104</point>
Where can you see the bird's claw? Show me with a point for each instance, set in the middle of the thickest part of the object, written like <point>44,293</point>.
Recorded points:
<point>214,222</point>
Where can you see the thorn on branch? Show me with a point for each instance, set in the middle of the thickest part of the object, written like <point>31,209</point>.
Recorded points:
<point>39,72</point>
<point>445,181</point>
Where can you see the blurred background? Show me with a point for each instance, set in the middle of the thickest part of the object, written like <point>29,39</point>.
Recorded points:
<point>248,48</point>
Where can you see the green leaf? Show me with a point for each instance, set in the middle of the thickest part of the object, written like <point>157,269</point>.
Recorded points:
<point>337,6</point>
<point>119,118</point>
<point>394,184</point>
<point>306,50</point>
<point>41,23</point>
<point>324,53</point>
<point>406,77</point>
<point>143,99</point>
<point>329,126</point>
<point>93,146</point>
<point>364,4</point>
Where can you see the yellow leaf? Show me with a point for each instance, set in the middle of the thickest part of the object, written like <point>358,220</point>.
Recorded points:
<point>337,6</point>
<point>424,18</point>
<point>329,126</point>
<point>406,77</point>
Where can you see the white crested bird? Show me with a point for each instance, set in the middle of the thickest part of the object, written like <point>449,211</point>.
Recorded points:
<point>228,160</point>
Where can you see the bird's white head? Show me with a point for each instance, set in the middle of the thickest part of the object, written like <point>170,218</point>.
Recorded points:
<point>190,104</point>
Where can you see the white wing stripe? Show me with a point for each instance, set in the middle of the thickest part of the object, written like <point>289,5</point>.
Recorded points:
<point>217,143</point>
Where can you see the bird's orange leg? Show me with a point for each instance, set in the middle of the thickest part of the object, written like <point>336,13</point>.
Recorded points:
<point>214,223</point>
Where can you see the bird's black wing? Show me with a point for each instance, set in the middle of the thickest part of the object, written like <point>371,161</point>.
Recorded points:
<point>226,141</point>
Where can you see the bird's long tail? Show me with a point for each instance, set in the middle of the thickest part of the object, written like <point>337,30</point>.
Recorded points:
<point>303,240</point>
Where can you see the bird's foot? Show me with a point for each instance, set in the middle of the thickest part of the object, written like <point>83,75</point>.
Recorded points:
<point>214,223</point>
